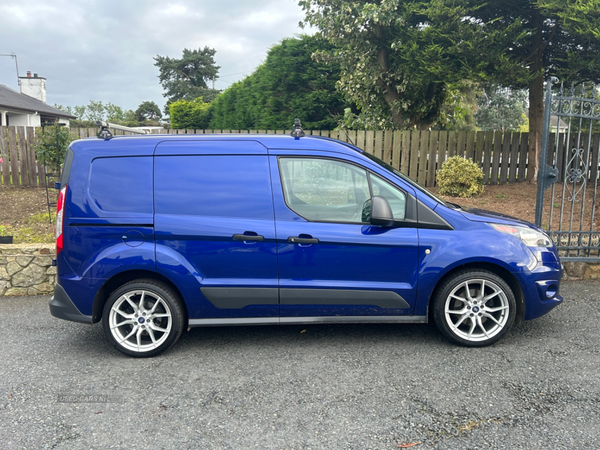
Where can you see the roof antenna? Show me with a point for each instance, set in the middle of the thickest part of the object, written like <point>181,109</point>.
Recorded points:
<point>343,129</point>
<point>297,132</point>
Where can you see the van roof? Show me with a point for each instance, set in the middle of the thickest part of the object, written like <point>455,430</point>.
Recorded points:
<point>270,141</point>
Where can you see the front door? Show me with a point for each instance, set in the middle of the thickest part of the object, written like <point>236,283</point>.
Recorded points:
<point>332,261</point>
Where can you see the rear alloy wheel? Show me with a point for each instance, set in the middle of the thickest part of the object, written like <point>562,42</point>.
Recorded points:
<point>475,308</point>
<point>143,318</point>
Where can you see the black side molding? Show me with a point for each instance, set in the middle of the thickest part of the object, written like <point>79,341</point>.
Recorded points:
<point>236,298</point>
<point>382,299</point>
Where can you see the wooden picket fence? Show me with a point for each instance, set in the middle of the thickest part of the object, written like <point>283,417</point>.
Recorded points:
<point>417,154</point>
<point>19,166</point>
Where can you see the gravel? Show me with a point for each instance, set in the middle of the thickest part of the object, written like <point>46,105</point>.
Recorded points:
<point>304,387</point>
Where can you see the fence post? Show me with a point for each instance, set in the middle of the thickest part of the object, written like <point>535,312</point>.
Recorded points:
<point>14,160</point>
<point>31,162</point>
<point>432,167</point>
<point>4,156</point>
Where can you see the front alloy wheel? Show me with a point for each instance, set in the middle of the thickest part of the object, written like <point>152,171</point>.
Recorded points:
<point>475,308</point>
<point>143,318</point>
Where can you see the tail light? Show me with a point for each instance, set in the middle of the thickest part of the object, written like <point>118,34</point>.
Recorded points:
<point>60,212</point>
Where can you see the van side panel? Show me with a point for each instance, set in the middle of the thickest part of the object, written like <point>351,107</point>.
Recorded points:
<point>215,228</point>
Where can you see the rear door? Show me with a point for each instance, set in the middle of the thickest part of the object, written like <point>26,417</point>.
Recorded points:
<point>214,226</point>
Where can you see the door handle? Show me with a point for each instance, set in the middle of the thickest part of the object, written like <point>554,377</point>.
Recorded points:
<point>248,237</point>
<point>302,240</point>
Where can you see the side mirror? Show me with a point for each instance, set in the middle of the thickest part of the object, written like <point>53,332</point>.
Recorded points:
<point>381,212</point>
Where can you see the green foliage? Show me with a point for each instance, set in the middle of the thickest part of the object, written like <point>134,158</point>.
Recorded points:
<point>114,113</point>
<point>289,84</point>
<point>79,112</point>
<point>398,58</point>
<point>67,109</point>
<point>458,110</point>
<point>189,115</point>
<point>501,109</point>
<point>148,111</point>
<point>186,78</point>
<point>6,230</point>
<point>95,111</point>
<point>51,145</point>
<point>460,177</point>
<point>563,35</point>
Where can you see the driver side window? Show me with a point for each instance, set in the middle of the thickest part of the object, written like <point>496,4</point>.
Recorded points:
<point>324,190</point>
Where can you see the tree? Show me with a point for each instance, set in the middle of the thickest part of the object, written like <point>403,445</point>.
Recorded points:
<point>51,145</point>
<point>550,38</point>
<point>95,111</point>
<point>189,115</point>
<point>186,78</point>
<point>398,58</point>
<point>289,84</point>
<point>79,112</point>
<point>458,110</point>
<point>148,111</point>
<point>114,113</point>
<point>67,109</point>
<point>501,109</point>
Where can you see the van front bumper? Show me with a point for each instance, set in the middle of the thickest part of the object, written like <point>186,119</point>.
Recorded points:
<point>62,306</point>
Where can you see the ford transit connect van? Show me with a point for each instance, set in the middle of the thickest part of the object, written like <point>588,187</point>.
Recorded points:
<point>158,233</point>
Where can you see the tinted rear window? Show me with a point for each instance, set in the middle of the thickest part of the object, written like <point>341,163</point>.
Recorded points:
<point>66,169</point>
<point>122,184</point>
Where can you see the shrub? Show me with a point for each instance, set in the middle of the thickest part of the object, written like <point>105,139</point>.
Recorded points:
<point>190,115</point>
<point>460,177</point>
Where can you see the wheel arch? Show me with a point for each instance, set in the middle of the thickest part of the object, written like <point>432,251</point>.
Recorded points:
<point>508,277</point>
<point>120,279</point>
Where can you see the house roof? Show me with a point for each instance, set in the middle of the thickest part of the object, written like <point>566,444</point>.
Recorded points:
<point>15,100</point>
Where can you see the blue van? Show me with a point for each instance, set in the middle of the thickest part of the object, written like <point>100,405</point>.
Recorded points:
<point>159,233</point>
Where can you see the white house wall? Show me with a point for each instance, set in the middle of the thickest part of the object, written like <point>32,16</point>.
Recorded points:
<point>24,120</point>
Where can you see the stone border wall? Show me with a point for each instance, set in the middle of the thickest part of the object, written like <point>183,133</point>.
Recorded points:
<point>581,271</point>
<point>26,269</point>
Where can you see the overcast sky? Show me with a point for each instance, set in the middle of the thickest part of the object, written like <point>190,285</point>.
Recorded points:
<point>103,50</point>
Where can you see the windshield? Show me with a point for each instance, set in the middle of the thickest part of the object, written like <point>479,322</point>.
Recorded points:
<point>405,178</point>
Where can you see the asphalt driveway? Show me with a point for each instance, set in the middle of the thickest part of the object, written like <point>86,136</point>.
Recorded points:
<point>298,387</point>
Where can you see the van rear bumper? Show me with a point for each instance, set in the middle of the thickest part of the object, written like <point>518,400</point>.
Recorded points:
<point>62,306</point>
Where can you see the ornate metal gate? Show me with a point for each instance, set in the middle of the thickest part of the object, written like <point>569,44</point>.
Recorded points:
<point>569,164</point>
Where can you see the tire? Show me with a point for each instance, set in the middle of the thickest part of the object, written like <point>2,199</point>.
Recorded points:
<point>474,308</point>
<point>143,331</point>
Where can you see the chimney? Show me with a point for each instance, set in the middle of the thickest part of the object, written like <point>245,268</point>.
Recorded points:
<point>33,86</point>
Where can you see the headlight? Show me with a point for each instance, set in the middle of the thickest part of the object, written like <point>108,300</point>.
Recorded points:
<point>529,236</point>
